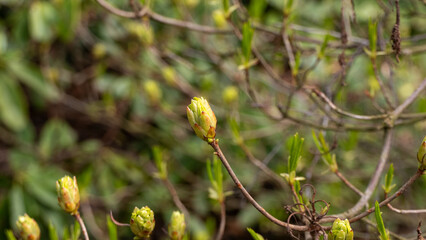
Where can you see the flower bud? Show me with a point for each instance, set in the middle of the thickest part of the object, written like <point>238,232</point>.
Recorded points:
<point>230,94</point>
<point>421,155</point>
<point>177,226</point>
<point>28,228</point>
<point>202,119</point>
<point>68,195</point>
<point>153,91</point>
<point>341,230</point>
<point>142,222</point>
<point>169,75</point>
<point>219,18</point>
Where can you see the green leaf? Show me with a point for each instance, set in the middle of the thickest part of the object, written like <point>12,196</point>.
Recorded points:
<point>42,17</point>
<point>55,136</point>
<point>112,229</point>
<point>295,150</point>
<point>380,225</point>
<point>324,149</point>
<point>9,235</point>
<point>255,236</point>
<point>69,17</point>
<point>16,203</point>
<point>75,231</point>
<point>13,110</point>
<point>324,44</point>
<point>388,180</point>
<point>372,36</point>
<point>32,77</point>
<point>159,162</point>
<point>246,42</point>
<point>53,235</point>
<point>257,8</point>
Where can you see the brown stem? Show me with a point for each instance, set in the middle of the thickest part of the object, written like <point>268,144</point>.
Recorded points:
<point>175,197</point>
<point>222,220</point>
<point>247,195</point>
<point>374,180</point>
<point>389,199</point>
<point>83,227</point>
<point>349,184</point>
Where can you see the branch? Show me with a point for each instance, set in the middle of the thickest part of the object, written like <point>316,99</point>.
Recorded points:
<point>374,180</point>
<point>222,220</point>
<point>83,227</point>
<point>247,195</point>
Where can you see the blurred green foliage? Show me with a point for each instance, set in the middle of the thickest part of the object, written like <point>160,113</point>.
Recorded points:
<point>87,93</point>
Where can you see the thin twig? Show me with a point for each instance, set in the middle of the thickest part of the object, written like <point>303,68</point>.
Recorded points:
<point>117,222</point>
<point>83,227</point>
<point>247,195</point>
<point>222,220</point>
<point>175,197</point>
<point>374,179</point>
<point>389,199</point>
<point>349,184</point>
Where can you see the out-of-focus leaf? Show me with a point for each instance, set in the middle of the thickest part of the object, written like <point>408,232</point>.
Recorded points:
<point>384,235</point>
<point>41,187</point>
<point>69,17</point>
<point>75,231</point>
<point>12,106</point>
<point>9,235</point>
<point>16,203</point>
<point>255,235</point>
<point>42,16</point>
<point>112,229</point>
<point>53,234</point>
<point>33,78</point>
<point>3,40</point>
<point>257,8</point>
<point>55,136</point>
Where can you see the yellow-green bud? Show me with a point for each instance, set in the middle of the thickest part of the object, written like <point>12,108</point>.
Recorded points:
<point>169,75</point>
<point>142,222</point>
<point>153,91</point>
<point>68,195</point>
<point>99,50</point>
<point>202,119</point>
<point>230,94</point>
<point>177,226</point>
<point>421,155</point>
<point>219,18</point>
<point>191,3</point>
<point>341,230</point>
<point>142,31</point>
<point>28,228</point>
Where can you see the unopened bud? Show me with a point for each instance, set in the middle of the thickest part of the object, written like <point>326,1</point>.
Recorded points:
<point>177,226</point>
<point>421,155</point>
<point>28,228</point>
<point>99,50</point>
<point>142,222</point>
<point>341,230</point>
<point>153,91</point>
<point>142,31</point>
<point>68,194</point>
<point>202,119</point>
<point>230,94</point>
<point>169,75</point>
<point>219,18</point>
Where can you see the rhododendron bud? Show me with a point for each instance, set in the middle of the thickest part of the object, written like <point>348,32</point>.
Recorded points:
<point>28,228</point>
<point>202,119</point>
<point>142,222</point>
<point>341,230</point>
<point>68,195</point>
<point>177,226</point>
